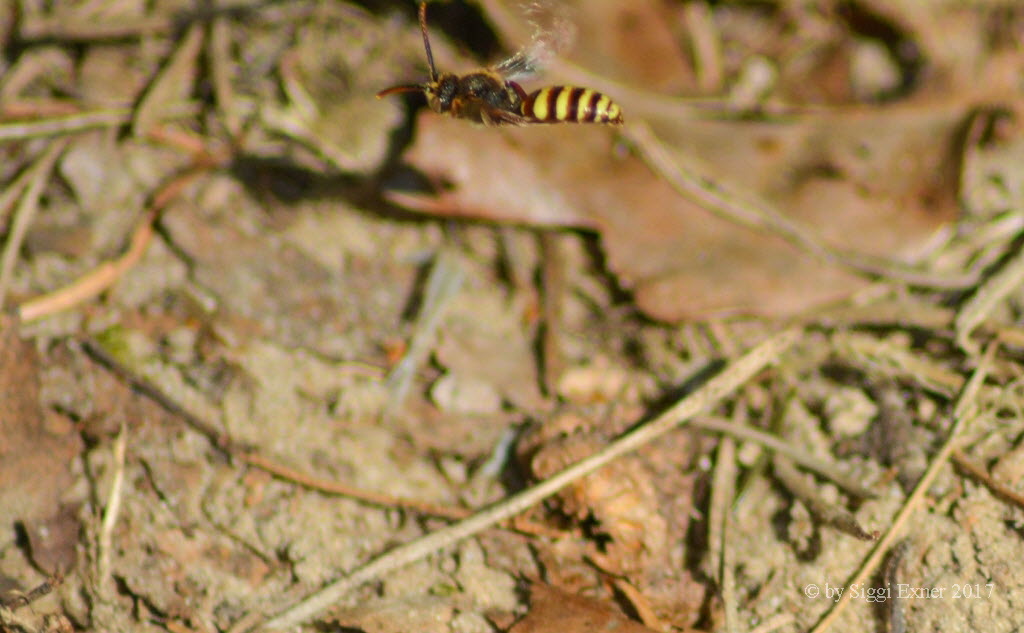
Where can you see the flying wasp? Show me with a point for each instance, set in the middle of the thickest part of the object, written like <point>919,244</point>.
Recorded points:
<point>488,96</point>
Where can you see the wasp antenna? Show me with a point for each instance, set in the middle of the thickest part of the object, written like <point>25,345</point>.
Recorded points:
<point>426,41</point>
<point>397,89</point>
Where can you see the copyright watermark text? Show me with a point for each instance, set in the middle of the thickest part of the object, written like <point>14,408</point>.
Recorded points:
<point>898,591</point>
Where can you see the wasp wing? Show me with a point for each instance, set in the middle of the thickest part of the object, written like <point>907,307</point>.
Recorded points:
<point>522,64</point>
<point>553,31</point>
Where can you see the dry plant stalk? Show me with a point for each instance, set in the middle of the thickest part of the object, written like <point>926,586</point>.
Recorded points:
<point>95,282</point>
<point>714,390</point>
<point>746,210</point>
<point>966,409</point>
<point>25,213</point>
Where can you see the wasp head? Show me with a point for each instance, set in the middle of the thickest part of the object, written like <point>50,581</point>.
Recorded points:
<point>442,92</point>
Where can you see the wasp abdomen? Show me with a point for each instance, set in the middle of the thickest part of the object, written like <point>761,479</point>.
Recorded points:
<point>571,104</point>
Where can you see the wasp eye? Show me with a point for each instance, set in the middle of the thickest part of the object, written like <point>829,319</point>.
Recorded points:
<point>433,98</point>
<point>445,90</point>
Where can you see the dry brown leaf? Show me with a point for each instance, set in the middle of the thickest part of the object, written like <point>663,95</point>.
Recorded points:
<point>53,542</point>
<point>632,41</point>
<point>636,507</point>
<point>621,497</point>
<point>877,184</point>
<point>874,180</point>
<point>555,611</point>
<point>35,455</point>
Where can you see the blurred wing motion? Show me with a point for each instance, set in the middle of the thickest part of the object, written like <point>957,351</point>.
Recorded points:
<point>553,32</point>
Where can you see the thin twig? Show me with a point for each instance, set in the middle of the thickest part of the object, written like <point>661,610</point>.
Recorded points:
<point>221,64</point>
<point>336,488</point>
<point>25,213</point>
<point>706,46</point>
<point>171,83</point>
<point>892,358</point>
<point>12,192</point>
<point>98,280</point>
<point>985,299</point>
<point>640,604</point>
<point>377,498</point>
<point>977,471</point>
<point>688,181</point>
<point>717,388</point>
<point>758,214</point>
<point>827,469</point>
<point>190,414</point>
<point>93,283</point>
<point>827,513</point>
<point>245,623</point>
<point>964,411</point>
<point>244,454</point>
<point>63,125</point>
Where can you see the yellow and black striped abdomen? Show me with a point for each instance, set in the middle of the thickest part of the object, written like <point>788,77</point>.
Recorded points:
<point>571,104</point>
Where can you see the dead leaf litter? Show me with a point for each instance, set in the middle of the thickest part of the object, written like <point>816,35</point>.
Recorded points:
<point>282,355</point>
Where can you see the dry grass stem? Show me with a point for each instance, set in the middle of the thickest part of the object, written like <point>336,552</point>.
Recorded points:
<point>977,471</point>
<point>732,377</point>
<point>375,498</point>
<point>723,493</point>
<point>93,283</point>
<point>104,581</point>
<point>745,211</point>
<point>894,359</point>
<point>174,79</point>
<point>691,183</point>
<point>336,488</point>
<point>24,214</point>
<point>640,604</point>
<point>989,295</point>
<point>966,409</point>
<point>827,513</point>
<point>63,125</point>
<point>825,468</point>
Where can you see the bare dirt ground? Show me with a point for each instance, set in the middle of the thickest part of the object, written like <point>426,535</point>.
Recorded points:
<point>281,355</point>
